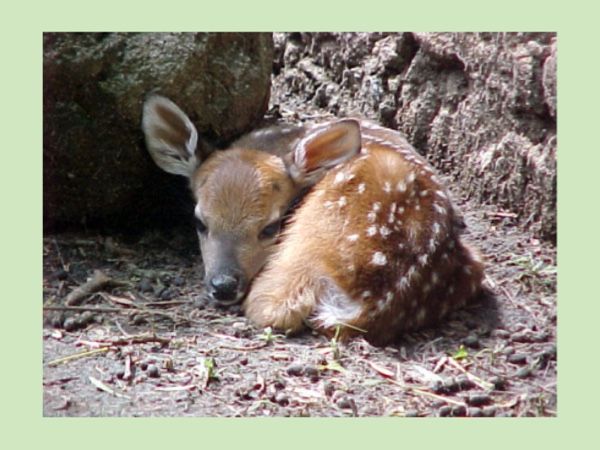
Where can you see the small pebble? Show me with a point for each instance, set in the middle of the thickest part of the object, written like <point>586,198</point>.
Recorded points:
<point>311,371</point>
<point>523,372</point>
<point>295,369</point>
<point>345,403</point>
<point>138,319</point>
<point>179,281</point>
<point>464,383</point>
<point>437,387</point>
<point>529,337</point>
<point>86,318</point>
<point>458,411</point>
<point>508,350</point>
<point>329,389</point>
<point>444,411</point>
<point>279,384</point>
<point>478,399</point>
<point>502,334</point>
<point>489,411</point>
<point>282,399</point>
<point>167,294</point>
<point>57,320</point>
<point>145,285</point>
<point>550,352</point>
<point>153,371</point>
<point>498,382</point>
<point>475,412</point>
<point>472,341</point>
<point>71,323</point>
<point>517,358</point>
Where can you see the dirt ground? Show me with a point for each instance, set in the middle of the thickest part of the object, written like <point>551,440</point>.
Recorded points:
<point>144,341</point>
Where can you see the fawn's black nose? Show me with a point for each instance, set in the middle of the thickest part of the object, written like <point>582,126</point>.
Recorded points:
<point>225,287</point>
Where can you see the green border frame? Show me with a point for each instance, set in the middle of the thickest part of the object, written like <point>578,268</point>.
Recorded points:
<point>21,190</point>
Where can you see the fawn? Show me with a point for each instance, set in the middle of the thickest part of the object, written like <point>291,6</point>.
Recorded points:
<point>373,247</point>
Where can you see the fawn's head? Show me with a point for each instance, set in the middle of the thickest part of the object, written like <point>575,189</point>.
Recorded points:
<point>242,194</point>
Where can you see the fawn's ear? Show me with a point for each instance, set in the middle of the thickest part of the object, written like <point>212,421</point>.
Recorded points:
<point>323,148</point>
<point>171,137</point>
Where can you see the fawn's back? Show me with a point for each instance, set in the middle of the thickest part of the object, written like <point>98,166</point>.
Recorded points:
<point>374,246</point>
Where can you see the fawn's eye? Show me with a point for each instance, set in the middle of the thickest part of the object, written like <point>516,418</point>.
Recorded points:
<point>270,230</point>
<point>200,227</point>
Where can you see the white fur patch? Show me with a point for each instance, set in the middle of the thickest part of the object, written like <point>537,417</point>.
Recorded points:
<point>335,307</point>
<point>379,259</point>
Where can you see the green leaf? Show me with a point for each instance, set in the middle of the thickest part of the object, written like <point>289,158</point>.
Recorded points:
<point>461,353</point>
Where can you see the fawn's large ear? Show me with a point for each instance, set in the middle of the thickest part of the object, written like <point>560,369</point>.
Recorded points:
<point>171,137</point>
<point>323,148</point>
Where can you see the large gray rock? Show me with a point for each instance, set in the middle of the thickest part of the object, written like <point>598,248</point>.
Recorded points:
<point>96,168</point>
<point>481,106</point>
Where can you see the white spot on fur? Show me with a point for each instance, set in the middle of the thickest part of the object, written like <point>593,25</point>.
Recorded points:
<point>434,277</point>
<point>379,259</point>
<point>436,228</point>
<point>372,231</point>
<point>401,210</point>
<point>401,186</point>
<point>384,231</point>
<point>371,216</point>
<point>432,245</point>
<point>440,209</point>
<point>389,296</point>
<point>402,283</point>
<point>339,178</point>
<point>328,204</point>
<point>335,307</point>
<point>361,188</point>
<point>423,259</point>
<point>423,193</point>
<point>441,194</point>
<point>376,206</point>
<point>412,272</point>
<point>411,177</point>
<point>342,202</point>
<point>387,187</point>
<point>352,237</point>
<point>365,294</point>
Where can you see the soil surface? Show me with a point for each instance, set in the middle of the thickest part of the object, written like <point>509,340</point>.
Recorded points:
<point>128,332</point>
